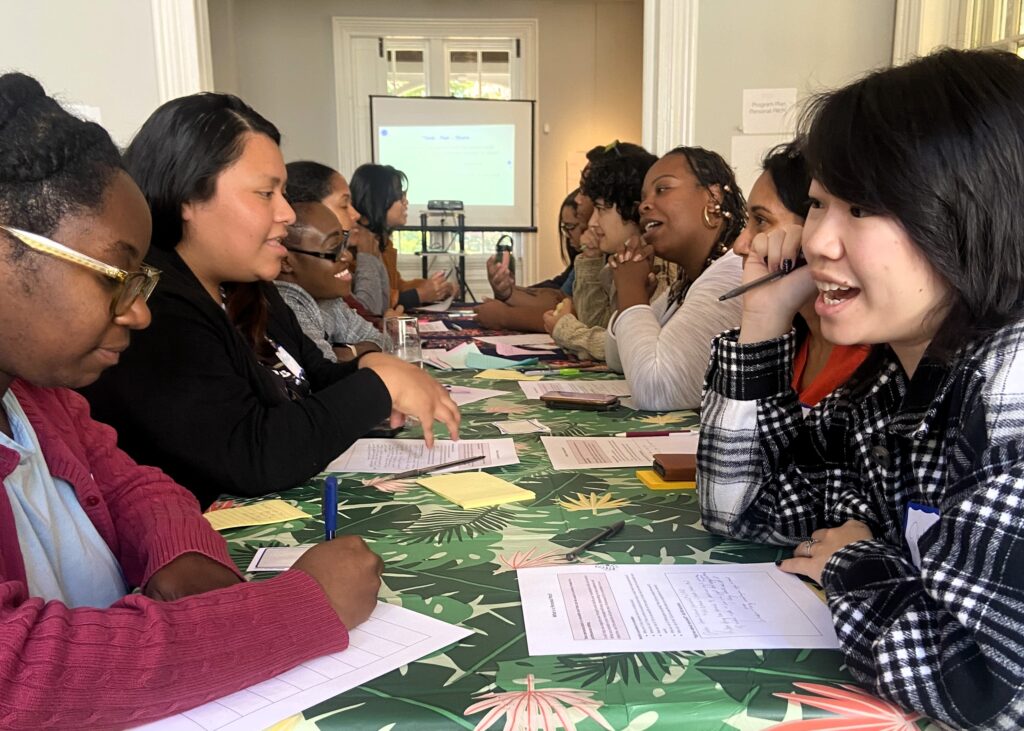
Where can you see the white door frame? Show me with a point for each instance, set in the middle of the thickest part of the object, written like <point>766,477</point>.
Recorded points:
<point>670,73</point>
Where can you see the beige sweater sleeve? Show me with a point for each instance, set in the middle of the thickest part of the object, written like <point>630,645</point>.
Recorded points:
<point>590,295</point>
<point>586,343</point>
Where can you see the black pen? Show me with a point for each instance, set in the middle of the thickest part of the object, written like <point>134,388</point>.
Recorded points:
<point>608,532</point>
<point>432,468</point>
<point>777,274</point>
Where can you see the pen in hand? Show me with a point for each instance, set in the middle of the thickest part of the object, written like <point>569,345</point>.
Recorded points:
<point>770,277</point>
<point>330,508</point>
<point>608,532</point>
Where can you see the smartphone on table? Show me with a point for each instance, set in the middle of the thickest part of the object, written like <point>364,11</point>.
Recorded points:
<point>584,401</point>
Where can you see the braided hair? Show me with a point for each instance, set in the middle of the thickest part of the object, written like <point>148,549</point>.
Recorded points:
<point>51,162</point>
<point>711,169</point>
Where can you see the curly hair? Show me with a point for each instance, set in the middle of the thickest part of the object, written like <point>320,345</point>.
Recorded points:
<point>51,163</point>
<point>616,179</point>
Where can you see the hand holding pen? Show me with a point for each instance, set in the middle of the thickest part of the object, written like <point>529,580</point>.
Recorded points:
<point>778,284</point>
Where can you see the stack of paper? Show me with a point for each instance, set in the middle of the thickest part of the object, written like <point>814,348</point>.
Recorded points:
<point>574,453</point>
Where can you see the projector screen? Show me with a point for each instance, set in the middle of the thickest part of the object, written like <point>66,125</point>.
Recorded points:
<point>478,151</point>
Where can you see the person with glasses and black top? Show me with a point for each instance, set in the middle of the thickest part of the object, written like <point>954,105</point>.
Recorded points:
<point>315,278</point>
<point>224,391</point>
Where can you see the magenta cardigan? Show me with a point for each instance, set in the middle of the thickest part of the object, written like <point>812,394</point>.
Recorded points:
<point>138,660</point>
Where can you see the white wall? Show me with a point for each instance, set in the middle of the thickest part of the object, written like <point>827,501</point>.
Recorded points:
<point>98,53</point>
<point>807,44</point>
<point>278,56</point>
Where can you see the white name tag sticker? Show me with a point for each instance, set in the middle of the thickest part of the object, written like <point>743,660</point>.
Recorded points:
<point>918,519</point>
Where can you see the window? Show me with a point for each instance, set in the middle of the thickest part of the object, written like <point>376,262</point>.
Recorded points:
<point>993,24</point>
<point>480,74</point>
<point>465,58</point>
<point>407,71</point>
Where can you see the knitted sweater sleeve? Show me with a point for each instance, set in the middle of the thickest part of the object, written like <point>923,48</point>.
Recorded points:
<point>140,659</point>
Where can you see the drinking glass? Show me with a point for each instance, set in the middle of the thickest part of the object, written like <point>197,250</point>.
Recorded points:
<point>405,338</point>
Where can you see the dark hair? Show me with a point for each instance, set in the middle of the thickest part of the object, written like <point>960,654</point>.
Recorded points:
<point>787,167</point>
<point>51,163</point>
<point>176,158</point>
<point>938,144</point>
<point>617,179</point>
<point>711,169</point>
<point>308,181</point>
<point>375,188</point>
<point>568,255</point>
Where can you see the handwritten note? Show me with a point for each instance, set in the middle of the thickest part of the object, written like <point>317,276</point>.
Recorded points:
<point>263,513</point>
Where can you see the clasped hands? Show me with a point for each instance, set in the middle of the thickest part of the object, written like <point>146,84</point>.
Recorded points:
<point>635,279</point>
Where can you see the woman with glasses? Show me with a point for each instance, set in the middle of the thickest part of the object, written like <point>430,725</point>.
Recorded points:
<point>690,213</point>
<point>81,524</point>
<point>224,391</point>
<point>379,197</point>
<point>314,280</point>
<point>313,182</point>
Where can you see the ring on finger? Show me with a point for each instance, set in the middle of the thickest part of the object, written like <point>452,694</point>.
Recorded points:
<point>808,545</point>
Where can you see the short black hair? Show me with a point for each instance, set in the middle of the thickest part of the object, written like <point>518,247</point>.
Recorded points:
<point>938,144</point>
<point>308,181</point>
<point>711,169</point>
<point>617,179</point>
<point>51,162</point>
<point>375,188</point>
<point>181,149</point>
<point>787,167</point>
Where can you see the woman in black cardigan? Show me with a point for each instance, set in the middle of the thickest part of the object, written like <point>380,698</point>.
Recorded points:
<point>223,391</point>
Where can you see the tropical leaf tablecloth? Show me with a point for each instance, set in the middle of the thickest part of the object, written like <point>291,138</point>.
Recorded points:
<point>460,566</point>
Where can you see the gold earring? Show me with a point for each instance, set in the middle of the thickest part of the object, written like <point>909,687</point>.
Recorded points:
<point>707,213</point>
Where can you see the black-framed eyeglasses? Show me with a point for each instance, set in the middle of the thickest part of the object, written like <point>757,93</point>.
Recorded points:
<point>334,254</point>
<point>567,228</point>
<point>130,285</point>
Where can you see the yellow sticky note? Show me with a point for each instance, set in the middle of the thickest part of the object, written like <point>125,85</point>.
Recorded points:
<point>502,375</point>
<point>475,489</point>
<point>653,480</point>
<point>264,513</point>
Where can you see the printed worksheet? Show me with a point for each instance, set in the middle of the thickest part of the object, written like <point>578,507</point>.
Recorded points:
<point>601,608</point>
<point>390,638</point>
<point>574,453</point>
<point>381,456</point>
<point>539,388</point>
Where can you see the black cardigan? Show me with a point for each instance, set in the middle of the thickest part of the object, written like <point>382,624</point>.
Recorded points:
<point>190,397</point>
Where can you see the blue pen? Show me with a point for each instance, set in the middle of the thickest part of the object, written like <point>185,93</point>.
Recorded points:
<point>330,508</point>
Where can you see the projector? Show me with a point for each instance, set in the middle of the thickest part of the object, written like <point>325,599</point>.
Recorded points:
<point>438,205</point>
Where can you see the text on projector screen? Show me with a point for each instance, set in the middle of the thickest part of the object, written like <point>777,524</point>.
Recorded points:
<point>471,163</point>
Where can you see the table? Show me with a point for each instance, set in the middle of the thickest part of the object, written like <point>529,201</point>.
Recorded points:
<point>459,566</point>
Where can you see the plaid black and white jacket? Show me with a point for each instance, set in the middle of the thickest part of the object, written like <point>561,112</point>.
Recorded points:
<point>946,638</point>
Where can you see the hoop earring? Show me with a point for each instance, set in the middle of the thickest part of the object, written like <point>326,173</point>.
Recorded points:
<point>707,213</point>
